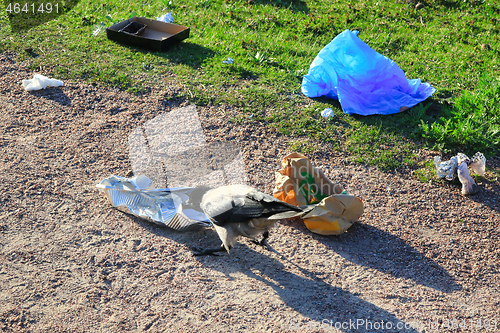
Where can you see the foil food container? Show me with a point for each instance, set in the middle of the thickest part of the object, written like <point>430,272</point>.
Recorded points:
<point>161,206</point>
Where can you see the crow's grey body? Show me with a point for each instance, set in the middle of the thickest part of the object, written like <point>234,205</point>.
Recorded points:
<point>240,210</point>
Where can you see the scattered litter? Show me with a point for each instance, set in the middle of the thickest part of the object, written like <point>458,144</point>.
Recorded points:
<point>300,183</point>
<point>478,164</point>
<point>40,82</point>
<point>458,166</point>
<point>169,156</point>
<point>167,18</point>
<point>468,184</point>
<point>162,206</point>
<point>155,35</point>
<point>229,61</point>
<point>446,169</point>
<point>364,81</point>
<point>327,113</point>
<point>134,28</point>
<point>334,214</point>
<point>98,28</point>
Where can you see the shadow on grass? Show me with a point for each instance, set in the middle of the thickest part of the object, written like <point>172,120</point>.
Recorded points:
<point>192,55</point>
<point>441,126</point>
<point>188,54</point>
<point>294,5</point>
<point>41,12</point>
<point>457,4</point>
<point>408,118</point>
<point>333,102</point>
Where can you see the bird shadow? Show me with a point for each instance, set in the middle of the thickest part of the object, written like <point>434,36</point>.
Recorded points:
<point>325,306</point>
<point>371,247</point>
<point>55,94</point>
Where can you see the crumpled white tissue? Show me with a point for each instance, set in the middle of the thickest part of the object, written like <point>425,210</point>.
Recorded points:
<point>40,82</point>
<point>168,18</point>
<point>327,113</point>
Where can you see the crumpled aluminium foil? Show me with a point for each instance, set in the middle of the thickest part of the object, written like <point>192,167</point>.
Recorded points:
<point>161,206</point>
<point>448,169</point>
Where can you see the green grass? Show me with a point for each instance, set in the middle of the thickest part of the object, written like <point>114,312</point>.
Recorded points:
<point>472,123</point>
<point>426,173</point>
<point>452,44</point>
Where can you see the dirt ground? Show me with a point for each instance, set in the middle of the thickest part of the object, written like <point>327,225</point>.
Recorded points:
<point>422,258</point>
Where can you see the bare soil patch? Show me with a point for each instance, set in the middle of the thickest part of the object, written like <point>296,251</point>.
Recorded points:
<point>71,263</point>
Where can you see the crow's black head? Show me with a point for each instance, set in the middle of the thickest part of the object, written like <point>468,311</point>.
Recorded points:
<point>195,197</point>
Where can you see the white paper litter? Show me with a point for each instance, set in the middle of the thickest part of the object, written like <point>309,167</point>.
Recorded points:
<point>40,82</point>
<point>326,113</point>
<point>167,18</point>
<point>98,28</point>
<point>229,61</point>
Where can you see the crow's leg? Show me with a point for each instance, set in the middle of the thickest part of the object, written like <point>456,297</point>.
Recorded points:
<point>263,242</point>
<point>209,252</point>
<point>265,236</point>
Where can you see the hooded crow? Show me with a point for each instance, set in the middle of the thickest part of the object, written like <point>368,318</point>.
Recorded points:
<point>240,210</point>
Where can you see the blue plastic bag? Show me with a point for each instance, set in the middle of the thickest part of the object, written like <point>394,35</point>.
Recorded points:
<point>364,81</point>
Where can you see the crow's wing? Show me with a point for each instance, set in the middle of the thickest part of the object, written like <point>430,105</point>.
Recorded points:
<point>241,203</point>
<point>273,208</point>
<point>275,204</point>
